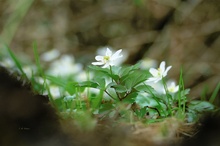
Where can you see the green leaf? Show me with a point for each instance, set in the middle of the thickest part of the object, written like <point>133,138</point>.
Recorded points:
<point>141,112</point>
<point>119,88</point>
<point>128,69</point>
<point>134,79</point>
<point>101,82</point>
<point>96,101</point>
<point>114,77</point>
<point>145,88</point>
<point>142,100</point>
<point>131,97</point>
<point>192,116</point>
<point>87,84</point>
<point>96,68</point>
<point>116,69</point>
<point>185,92</point>
<point>57,104</point>
<point>125,71</point>
<point>110,85</point>
<point>37,60</point>
<point>215,93</point>
<point>129,84</point>
<point>71,88</point>
<point>56,80</point>
<point>106,71</point>
<point>16,61</point>
<point>200,106</point>
<point>145,100</point>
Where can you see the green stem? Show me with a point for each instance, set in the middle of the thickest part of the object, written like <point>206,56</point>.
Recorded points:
<point>181,83</point>
<point>167,95</point>
<point>119,97</point>
<point>111,72</point>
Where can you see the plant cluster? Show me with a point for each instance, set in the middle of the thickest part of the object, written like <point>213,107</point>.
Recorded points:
<point>119,92</point>
<point>132,92</point>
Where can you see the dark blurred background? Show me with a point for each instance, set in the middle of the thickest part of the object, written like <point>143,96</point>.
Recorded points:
<point>184,33</point>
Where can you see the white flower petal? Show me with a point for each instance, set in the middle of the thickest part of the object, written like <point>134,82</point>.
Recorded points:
<point>154,79</point>
<point>172,88</point>
<point>172,84</point>
<point>165,72</point>
<point>153,71</point>
<point>108,58</point>
<point>116,55</point>
<point>99,58</point>
<point>157,80</point>
<point>108,52</point>
<point>50,55</point>
<point>162,66</point>
<point>176,88</point>
<point>111,63</point>
<point>106,65</point>
<point>97,63</point>
<point>150,80</point>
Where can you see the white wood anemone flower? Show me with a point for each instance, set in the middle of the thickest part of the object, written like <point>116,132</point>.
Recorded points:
<point>108,59</point>
<point>159,73</point>
<point>172,88</point>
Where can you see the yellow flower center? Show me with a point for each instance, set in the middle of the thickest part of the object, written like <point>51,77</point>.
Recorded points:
<point>106,58</point>
<point>171,89</point>
<point>159,72</point>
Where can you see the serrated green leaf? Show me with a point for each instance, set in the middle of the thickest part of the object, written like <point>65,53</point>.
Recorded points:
<point>107,72</point>
<point>115,69</point>
<point>125,71</point>
<point>200,106</point>
<point>134,79</point>
<point>185,92</point>
<point>87,84</point>
<point>110,85</point>
<point>128,69</point>
<point>145,88</point>
<point>114,77</point>
<point>144,100</point>
<point>119,88</point>
<point>96,68</point>
<point>131,97</point>
<point>129,84</point>
<point>100,81</point>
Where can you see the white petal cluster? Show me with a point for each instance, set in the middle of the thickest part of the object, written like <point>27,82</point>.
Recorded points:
<point>50,55</point>
<point>172,88</point>
<point>159,73</point>
<point>64,66</point>
<point>109,59</point>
